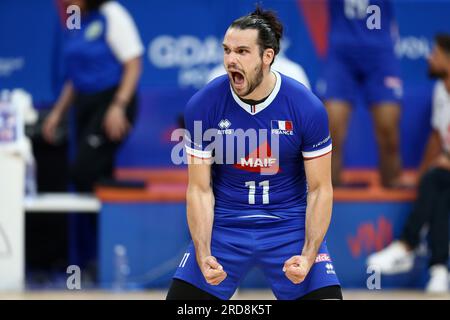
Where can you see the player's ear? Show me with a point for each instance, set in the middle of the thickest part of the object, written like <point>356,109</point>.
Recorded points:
<point>268,56</point>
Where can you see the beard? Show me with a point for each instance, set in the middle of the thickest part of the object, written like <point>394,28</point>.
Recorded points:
<point>253,82</point>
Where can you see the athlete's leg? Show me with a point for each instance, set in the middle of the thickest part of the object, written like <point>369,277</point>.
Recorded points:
<point>182,290</point>
<point>383,90</point>
<point>338,115</point>
<point>338,90</point>
<point>386,119</point>
<point>325,293</point>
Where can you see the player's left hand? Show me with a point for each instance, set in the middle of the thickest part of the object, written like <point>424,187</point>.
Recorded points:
<point>296,268</point>
<point>115,123</point>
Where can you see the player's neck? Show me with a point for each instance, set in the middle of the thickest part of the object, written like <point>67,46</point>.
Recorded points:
<point>265,87</point>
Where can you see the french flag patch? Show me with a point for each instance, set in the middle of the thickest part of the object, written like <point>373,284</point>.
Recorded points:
<point>282,125</point>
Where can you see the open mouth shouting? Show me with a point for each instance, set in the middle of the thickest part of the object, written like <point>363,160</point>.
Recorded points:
<point>238,79</point>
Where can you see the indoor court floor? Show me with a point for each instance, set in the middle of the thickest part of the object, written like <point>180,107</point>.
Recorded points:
<point>240,295</point>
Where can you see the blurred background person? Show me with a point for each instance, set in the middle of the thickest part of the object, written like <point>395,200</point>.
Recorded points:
<point>102,62</point>
<point>432,207</point>
<point>103,66</point>
<point>363,60</point>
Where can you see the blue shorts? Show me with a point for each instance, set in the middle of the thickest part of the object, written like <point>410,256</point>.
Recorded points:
<point>373,73</point>
<point>241,245</point>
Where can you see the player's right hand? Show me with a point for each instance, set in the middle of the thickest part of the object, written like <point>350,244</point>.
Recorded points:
<point>297,268</point>
<point>212,270</point>
<point>50,125</point>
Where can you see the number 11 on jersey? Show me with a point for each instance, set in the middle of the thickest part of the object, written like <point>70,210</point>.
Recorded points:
<point>252,190</point>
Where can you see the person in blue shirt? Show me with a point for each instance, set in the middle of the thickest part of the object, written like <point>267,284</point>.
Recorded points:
<point>361,63</point>
<point>102,60</point>
<point>259,163</point>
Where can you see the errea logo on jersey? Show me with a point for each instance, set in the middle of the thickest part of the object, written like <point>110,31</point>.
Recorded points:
<point>282,127</point>
<point>224,125</point>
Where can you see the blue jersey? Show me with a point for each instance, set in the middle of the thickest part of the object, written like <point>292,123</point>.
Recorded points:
<point>89,59</point>
<point>265,178</point>
<point>349,19</point>
<point>259,183</point>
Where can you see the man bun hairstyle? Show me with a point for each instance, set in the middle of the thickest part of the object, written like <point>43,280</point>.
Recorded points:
<point>270,29</point>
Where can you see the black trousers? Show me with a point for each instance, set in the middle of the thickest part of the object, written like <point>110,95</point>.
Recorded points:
<point>94,162</point>
<point>95,155</point>
<point>431,208</point>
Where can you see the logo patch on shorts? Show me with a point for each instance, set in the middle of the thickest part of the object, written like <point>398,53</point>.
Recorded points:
<point>330,268</point>
<point>323,257</point>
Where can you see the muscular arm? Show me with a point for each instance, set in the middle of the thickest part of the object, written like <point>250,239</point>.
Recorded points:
<point>319,203</point>
<point>318,216</point>
<point>200,207</point>
<point>200,216</point>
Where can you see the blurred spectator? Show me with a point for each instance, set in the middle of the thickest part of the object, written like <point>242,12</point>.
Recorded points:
<point>432,207</point>
<point>102,63</point>
<point>103,66</point>
<point>361,59</point>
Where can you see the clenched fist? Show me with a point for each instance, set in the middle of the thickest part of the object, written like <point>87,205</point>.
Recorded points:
<point>297,268</point>
<point>212,270</point>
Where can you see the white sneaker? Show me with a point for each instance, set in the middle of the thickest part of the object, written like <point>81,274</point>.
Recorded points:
<point>438,282</point>
<point>393,259</point>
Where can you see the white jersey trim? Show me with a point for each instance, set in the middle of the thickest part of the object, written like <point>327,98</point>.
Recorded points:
<point>317,153</point>
<point>198,153</point>
<point>259,107</point>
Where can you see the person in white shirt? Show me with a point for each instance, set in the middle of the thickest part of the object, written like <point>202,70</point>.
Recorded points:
<point>432,206</point>
<point>102,65</point>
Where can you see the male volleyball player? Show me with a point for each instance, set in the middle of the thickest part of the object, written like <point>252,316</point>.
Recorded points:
<point>271,206</point>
